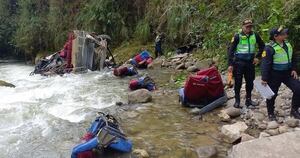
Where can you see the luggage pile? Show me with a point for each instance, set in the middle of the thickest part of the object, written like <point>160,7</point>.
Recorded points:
<point>204,90</point>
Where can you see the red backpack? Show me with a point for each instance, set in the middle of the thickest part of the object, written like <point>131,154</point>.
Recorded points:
<point>203,87</point>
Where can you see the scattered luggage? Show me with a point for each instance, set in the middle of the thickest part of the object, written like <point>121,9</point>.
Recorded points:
<point>104,134</point>
<point>141,60</point>
<point>123,71</point>
<point>203,89</point>
<point>142,82</point>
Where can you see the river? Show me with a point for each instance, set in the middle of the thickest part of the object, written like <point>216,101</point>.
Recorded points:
<point>44,117</point>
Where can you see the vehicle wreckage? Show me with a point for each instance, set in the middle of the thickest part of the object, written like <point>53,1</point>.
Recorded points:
<point>83,51</point>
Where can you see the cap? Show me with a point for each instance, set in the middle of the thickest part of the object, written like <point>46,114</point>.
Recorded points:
<point>277,31</point>
<point>247,22</point>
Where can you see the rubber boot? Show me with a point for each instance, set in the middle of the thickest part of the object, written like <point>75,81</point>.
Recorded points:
<point>250,104</point>
<point>237,103</point>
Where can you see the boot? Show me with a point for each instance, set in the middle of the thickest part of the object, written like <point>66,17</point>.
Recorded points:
<point>237,104</point>
<point>272,117</point>
<point>295,112</point>
<point>250,104</point>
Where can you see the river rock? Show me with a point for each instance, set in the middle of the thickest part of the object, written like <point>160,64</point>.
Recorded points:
<point>246,137</point>
<point>263,135</point>
<point>258,116</point>
<point>291,122</point>
<point>283,129</point>
<point>262,126</point>
<point>192,69</point>
<point>233,112</point>
<point>180,66</point>
<point>6,84</point>
<point>273,132</point>
<point>140,153</point>
<point>139,96</point>
<point>284,145</point>
<point>272,125</point>
<point>223,116</point>
<point>234,131</point>
<point>207,152</point>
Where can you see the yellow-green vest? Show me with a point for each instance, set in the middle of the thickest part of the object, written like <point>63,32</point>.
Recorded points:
<point>282,60</point>
<point>246,47</point>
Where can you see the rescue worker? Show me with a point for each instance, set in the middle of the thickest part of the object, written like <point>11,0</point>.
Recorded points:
<point>279,66</point>
<point>242,60</point>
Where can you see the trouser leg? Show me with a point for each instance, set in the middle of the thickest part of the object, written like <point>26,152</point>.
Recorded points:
<point>249,78</point>
<point>274,83</point>
<point>89,145</point>
<point>294,85</point>
<point>238,72</point>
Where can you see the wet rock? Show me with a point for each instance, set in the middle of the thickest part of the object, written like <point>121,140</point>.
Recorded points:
<point>246,137</point>
<point>180,66</point>
<point>140,153</point>
<point>264,134</point>
<point>284,145</point>
<point>283,129</point>
<point>192,69</point>
<point>273,132</point>
<point>233,112</point>
<point>234,131</point>
<point>139,96</point>
<point>272,125</point>
<point>119,103</point>
<point>6,84</point>
<point>291,122</point>
<point>207,152</point>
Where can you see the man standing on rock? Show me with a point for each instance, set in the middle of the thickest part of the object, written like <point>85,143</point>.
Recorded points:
<point>278,66</point>
<point>242,60</point>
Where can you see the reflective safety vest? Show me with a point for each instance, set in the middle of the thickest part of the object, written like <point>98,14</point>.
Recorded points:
<point>282,60</point>
<point>246,47</point>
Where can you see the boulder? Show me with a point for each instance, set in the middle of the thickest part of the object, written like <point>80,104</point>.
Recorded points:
<point>139,96</point>
<point>272,125</point>
<point>291,122</point>
<point>6,84</point>
<point>283,129</point>
<point>233,112</point>
<point>284,145</point>
<point>264,134</point>
<point>273,132</point>
<point>192,69</point>
<point>246,137</point>
<point>234,131</point>
<point>207,152</point>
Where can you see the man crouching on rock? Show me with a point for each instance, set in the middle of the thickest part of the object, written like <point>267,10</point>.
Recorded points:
<point>278,66</point>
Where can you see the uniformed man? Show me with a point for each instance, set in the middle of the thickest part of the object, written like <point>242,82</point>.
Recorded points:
<point>278,66</point>
<point>242,60</point>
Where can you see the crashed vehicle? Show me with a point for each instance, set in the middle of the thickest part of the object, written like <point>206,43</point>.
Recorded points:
<point>83,51</point>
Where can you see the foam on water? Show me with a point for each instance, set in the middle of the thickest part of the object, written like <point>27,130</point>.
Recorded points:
<point>39,104</point>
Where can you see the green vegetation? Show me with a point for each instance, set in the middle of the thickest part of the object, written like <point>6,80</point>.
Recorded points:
<point>34,26</point>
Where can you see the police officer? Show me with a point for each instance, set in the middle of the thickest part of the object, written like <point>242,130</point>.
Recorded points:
<point>278,66</point>
<point>242,60</point>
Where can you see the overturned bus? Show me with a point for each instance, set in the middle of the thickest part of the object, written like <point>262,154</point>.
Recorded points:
<point>83,51</point>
